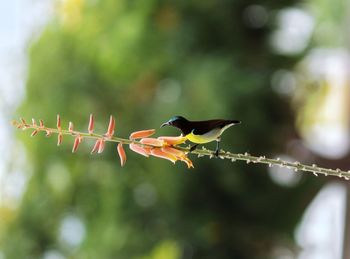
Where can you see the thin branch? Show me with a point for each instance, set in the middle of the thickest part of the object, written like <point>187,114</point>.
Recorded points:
<point>295,166</point>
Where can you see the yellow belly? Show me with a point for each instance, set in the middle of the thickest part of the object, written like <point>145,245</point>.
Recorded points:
<point>207,137</point>
<point>201,139</point>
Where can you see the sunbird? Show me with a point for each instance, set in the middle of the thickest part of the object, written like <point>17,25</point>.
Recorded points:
<point>200,132</point>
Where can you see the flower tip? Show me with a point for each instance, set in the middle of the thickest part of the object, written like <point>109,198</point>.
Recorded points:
<point>71,126</point>
<point>157,152</point>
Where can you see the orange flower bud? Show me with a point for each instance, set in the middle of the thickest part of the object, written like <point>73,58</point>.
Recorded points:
<point>122,154</point>
<point>111,125</point>
<point>23,121</point>
<point>96,146</point>
<point>34,133</point>
<point>142,134</point>
<point>173,140</point>
<point>91,124</point>
<point>157,152</point>
<point>48,133</point>
<point>76,144</point>
<point>58,122</point>
<point>70,127</point>
<point>102,146</point>
<point>59,139</point>
<point>152,142</point>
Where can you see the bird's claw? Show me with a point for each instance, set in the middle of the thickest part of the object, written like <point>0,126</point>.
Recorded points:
<point>216,154</point>
<point>193,148</point>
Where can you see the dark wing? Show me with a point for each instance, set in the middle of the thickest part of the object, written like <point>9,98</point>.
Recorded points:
<point>202,127</point>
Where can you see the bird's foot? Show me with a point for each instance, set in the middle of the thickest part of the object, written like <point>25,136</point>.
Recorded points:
<point>193,148</point>
<point>216,154</point>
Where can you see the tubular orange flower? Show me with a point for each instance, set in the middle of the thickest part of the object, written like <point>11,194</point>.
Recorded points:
<point>174,151</point>
<point>77,141</point>
<point>152,142</point>
<point>187,161</point>
<point>91,124</point>
<point>122,154</point>
<point>157,152</point>
<point>142,134</point>
<point>41,123</point>
<point>173,140</point>
<point>111,125</point>
<point>33,122</point>
<point>144,151</point>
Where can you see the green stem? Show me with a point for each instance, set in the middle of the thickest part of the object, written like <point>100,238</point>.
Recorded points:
<point>295,166</point>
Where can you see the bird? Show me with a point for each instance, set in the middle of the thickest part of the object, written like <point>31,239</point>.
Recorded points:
<point>201,132</point>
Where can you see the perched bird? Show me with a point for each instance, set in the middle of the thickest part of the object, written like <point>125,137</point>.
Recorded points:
<point>200,132</point>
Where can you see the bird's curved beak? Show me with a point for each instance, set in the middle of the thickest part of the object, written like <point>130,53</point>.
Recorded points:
<point>165,124</point>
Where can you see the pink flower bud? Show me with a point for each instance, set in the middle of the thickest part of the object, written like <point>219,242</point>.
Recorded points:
<point>111,125</point>
<point>76,144</point>
<point>48,133</point>
<point>122,154</point>
<point>58,122</point>
<point>102,146</point>
<point>59,139</point>
<point>91,124</point>
<point>23,121</point>
<point>96,146</point>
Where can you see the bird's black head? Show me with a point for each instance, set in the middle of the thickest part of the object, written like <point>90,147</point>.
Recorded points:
<point>176,121</point>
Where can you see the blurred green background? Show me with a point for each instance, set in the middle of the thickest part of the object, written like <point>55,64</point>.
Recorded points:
<point>145,61</point>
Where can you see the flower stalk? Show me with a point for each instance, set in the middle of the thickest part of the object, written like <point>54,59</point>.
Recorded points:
<point>166,147</point>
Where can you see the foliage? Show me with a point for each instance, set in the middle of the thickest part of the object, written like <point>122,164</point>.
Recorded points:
<point>146,61</point>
